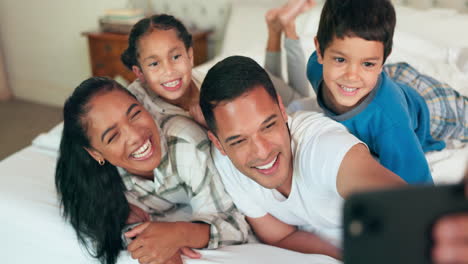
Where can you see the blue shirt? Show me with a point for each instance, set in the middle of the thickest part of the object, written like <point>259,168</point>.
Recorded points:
<point>393,120</point>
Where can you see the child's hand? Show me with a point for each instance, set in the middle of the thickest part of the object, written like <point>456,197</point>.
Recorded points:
<point>196,113</point>
<point>137,215</point>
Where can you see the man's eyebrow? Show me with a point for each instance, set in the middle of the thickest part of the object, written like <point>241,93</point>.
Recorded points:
<point>130,108</point>
<point>231,138</point>
<point>273,116</point>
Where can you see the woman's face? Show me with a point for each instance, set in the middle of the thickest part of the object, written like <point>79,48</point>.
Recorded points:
<point>122,132</point>
<point>165,64</point>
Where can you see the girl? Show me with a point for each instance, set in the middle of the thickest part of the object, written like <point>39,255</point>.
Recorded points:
<point>160,54</point>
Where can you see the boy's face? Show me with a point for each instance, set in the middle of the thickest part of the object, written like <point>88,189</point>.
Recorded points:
<point>351,68</point>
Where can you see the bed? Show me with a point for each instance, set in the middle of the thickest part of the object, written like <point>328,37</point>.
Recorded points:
<point>34,232</point>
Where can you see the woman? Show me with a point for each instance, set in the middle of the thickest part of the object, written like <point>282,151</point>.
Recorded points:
<point>112,150</point>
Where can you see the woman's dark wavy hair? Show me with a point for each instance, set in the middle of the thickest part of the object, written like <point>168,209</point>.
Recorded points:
<point>92,196</point>
<point>146,25</point>
<point>368,19</point>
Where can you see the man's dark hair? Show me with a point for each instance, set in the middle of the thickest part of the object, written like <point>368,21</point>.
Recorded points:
<point>229,79</point>
<point>372,20</point>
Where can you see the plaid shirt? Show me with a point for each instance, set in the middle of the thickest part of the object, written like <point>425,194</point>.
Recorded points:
<point>186,184</point>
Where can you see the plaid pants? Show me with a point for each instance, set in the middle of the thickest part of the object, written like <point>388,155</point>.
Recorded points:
<point>448,108</point>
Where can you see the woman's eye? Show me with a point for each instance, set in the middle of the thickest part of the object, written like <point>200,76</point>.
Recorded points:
<point>112,138</point>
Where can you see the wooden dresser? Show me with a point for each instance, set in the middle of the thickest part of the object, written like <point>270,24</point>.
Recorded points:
<point>105,49</point>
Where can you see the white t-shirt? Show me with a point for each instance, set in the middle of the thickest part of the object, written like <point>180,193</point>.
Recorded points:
<point>318,145</point>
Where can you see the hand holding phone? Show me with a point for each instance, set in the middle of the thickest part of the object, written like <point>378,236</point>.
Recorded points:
<point>396,226</point>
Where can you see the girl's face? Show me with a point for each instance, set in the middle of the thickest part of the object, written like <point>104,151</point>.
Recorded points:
<point>123,133</point>
<point>165,64</point>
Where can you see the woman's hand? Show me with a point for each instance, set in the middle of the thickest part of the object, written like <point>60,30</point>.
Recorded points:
<point>157,243</point>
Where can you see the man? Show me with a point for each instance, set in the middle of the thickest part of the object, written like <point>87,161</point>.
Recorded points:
<point>288,175</point>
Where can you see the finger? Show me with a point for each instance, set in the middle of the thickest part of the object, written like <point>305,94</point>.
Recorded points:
<point>144,260</point>
<point>450,253</point>
<point>451,228</point>
<point>139,253</point>
<point>137,230</point>
<point>175,259</point>
<point>134,245</point>
<point>190,253</point>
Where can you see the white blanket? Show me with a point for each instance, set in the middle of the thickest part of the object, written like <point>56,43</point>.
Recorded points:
<point>34,232</point>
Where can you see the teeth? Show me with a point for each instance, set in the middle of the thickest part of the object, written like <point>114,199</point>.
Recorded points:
<point>267,166</point>
<point>172,84</point>
<point>347,89</point>
<point>143,150</point>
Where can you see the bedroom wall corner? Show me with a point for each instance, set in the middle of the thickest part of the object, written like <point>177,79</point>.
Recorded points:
<point>5,93</point>
<point>45,53</point>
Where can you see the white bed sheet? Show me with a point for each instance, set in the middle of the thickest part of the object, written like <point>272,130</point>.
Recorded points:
<point>34,232</point>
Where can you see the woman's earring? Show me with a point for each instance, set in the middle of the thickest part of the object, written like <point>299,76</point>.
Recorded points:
<point>101,162</point>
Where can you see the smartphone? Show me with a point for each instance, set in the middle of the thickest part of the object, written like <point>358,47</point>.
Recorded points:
<point>395,226</point>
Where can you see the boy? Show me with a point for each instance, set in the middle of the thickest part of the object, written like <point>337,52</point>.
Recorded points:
<point>353,40</point>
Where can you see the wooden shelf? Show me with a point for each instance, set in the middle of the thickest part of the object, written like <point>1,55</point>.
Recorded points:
<point>105,49</point>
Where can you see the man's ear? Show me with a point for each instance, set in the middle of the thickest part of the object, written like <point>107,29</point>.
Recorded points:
<point>190,55</point>
<point>282,108</point>
<point>139,74</point>
<point>317,49</point>
<point>216,142</point>
<point>96,155</point>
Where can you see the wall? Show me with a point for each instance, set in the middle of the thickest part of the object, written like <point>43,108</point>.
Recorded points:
<point>5,93</point>
<point>44,53</point>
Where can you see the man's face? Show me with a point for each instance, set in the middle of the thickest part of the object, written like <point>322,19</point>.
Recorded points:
<point>351,68</point>
<point>252,132</point>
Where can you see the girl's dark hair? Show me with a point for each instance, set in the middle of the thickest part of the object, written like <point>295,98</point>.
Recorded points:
<point>92,196</point>
<point>146,25</point>
<point>368,19</point>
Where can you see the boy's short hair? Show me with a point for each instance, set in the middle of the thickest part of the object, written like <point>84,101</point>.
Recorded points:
<point>372,20</point>
<point>228,80</point>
